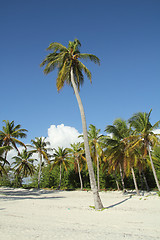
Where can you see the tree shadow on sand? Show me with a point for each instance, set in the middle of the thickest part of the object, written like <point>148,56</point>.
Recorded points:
<point>116,204</point>
<point>2,209</point>
<point>21,194</point>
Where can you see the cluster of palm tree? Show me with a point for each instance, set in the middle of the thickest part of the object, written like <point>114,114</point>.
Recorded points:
<point>23,164</point>
<point>130,146</point>
<point>125,147</point>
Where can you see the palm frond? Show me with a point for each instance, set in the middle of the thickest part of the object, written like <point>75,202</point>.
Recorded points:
<point>57,47</point>
<point>156,125</point>
<point>86,71</point>
<point>91,57</point>
<point>63,75</point>
<point>78,76</point>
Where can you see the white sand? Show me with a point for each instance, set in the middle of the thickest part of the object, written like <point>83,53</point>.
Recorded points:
<point>48,215</point>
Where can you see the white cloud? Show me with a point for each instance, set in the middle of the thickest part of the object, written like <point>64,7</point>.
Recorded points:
<point>62,136</point>
<point>157,131</point>
<point>11,154</point>
<point>14,152</point>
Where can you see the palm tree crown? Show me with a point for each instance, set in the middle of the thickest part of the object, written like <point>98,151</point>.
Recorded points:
<point>64,59</point>
<point>60,157</point>
<point>11,133</point>
<point>40,146</point>
<point>9,136</point>
<point>24,164</point>
<point>143,128</point>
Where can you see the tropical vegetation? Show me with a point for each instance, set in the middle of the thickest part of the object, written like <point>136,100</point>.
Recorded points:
<point>124,160</point>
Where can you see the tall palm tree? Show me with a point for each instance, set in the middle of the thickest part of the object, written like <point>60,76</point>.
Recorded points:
<point>40,147</point>
<point>70,68</point>
<point>24,164</point>
<point>10,134</point>
<point>95,146</point>
<point>145,136</point>
<point>77,154</point>
<point>60,159</point>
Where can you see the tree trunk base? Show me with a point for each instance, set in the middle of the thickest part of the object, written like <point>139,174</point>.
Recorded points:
<point>97,200</point>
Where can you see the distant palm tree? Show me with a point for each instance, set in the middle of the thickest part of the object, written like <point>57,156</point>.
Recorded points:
<point>141,164</point>
<point>156,159</point>
<point>10,134</point>
<point>40,147</point>
<point>70,69</point>
<point>60,159</point>
<point>77,152</point>
<point>95,146</point>
<point>115,158</point>
<point>118,152</point>
<point>24,164</point>
<point>115,151</point>
<point>144,136</point>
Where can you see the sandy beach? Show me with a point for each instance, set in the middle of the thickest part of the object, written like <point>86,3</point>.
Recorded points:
<point>45,215</point>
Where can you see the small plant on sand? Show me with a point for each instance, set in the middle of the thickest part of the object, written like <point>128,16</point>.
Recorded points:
<point>98,209</point>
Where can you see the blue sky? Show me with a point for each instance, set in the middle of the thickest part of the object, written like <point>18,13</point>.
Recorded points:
<point>124,34</point>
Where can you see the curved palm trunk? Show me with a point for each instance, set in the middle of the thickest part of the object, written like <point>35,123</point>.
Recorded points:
<point>97,200</point>
<point>145,180</point>
<point>60,176</point>
<point>141,179</point>
<point>118,188</point>
<point>79,172</point>
<point>40,169</point>
<point>98,183</point>
<point>153,169</point>
<point>122,180</point>
<point>135,182</point>
<point>20,180</point>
